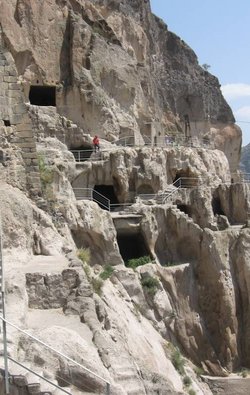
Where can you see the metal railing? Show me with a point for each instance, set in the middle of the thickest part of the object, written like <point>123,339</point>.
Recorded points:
<point>104,202</point>
<point>180,183</point>
<point>81,155</point>
<point>132,141</point>
<point>91,194</point>
<point>106,382</point>
<point>188,182</point>
<point>97,197</point>
<point>165,141</point>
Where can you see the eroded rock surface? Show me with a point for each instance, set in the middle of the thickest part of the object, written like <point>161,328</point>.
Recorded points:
<point>72,69</point>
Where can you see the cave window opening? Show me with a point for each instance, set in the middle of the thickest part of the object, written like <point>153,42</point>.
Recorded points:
<point>6,122</point>
<point>132,245</point>
<point>104,193</point>
<point>42,95</point>
<point>185,209</point>
<point>216,205</point>
<point>82,153</point>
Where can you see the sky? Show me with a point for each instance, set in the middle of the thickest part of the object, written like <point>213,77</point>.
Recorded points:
<point>219,33</point>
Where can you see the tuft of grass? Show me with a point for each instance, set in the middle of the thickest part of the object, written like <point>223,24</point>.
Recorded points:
<point>84,255</point>
<point>97,285</point>
<point>191,392</point>
<point>107,272</point>
<point>151,284</point>
<point>199,371</point>
<point>244,372</point>
<point>46,174</point>
<point>178,361</point>
<point>135,262</point>
<point>87,270</point>
<point>187,381</point>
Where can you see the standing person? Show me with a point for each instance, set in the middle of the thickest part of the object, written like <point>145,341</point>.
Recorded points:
<point>96,143</point>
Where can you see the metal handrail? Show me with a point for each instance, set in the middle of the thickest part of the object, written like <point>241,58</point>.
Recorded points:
<point>81,155</point>
<point>170,194</point>
<point>181,182</point>
<point>58,353</point>
<point>124,140</point>
<point>91,195</point>
<point>187,182</point>
<point>38,375</point>
<point>102,200</point>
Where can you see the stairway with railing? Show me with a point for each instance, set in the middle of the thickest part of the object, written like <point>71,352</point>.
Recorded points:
<point>161,198</point>
<point>15,381</point>
<point>27,378</point>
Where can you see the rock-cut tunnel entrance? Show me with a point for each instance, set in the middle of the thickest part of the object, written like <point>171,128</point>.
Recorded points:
<point>42,95</point>
<point>132,245</point>
<point>101,192</point>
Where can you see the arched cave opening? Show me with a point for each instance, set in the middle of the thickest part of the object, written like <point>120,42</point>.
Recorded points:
<point>82,153</point>
<point>132,245</point>
<point>216,205</point>
<point>42,95</point>
<point>145,189</point>
<point>101,192</point>
<point>6,122</point>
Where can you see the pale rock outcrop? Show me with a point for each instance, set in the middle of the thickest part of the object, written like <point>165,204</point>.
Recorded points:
<point>26,228</point>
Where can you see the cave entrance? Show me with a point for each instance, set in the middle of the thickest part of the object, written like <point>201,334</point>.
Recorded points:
<point>183,179</point>
<point>6,122</point>
<point>82,153</point>
<point>145,189</point>
<point>185,209</point>
<point>104,195</point>
<point>216,205</point>
<point>42,95</point>
<point>132,245</point>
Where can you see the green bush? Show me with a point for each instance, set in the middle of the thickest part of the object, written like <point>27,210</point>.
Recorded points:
<point>199,371</point>
<point>107,272</point>
<point>97,285</point>
<point>46,174</point>
<point>191,392</point>
<point>135,262</point>
<point>84,255</point>
<point>151,284</point>
<point>178,361</point>
<point>187,381</point>
<point>87,270</point>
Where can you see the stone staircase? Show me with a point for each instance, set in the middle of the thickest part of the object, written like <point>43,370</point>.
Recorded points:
<point>24,382</point>
<point>127,377</point>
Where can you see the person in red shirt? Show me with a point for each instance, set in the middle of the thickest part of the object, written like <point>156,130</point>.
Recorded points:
<point>96,143</point>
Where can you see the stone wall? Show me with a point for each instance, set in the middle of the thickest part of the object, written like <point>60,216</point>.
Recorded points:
<point>13,112</point>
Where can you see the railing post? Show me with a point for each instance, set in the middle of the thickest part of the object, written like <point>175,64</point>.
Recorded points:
<point>108,389</point>
<point>6,370</point>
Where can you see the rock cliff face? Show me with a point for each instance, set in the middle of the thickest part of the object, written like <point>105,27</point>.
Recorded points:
<point>168,197</point>
<point>117,71</point>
